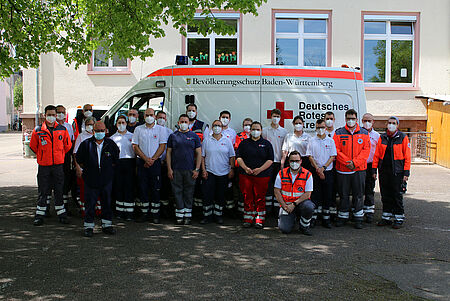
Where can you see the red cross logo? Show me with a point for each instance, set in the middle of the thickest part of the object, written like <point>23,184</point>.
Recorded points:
<point>288,114</point>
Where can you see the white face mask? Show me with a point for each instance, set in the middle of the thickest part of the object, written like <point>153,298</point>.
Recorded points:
<point>184,126</point>
<point>256,133</point>
<point>392,127</point>
<point>294,165</point>
<point>276,120</point>
<point>161,121</point>
<point>132,119</point>
<point>89,128</point>
<point>191,114</point>
<point>50,119</point>
<point>351,123</point>
<point>225,121</point>
<point>247,128</point>
<point>217,129</point>
<point>121,127</point>
<point>61,116</point>
<point>88,114</point>
<point>321,131</point>
<point>367,125</point>
<point>149,119</point>
<point>329,122</point>
<point>298,127</point>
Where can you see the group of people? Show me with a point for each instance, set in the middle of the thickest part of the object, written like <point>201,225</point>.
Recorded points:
<point>256,172</point>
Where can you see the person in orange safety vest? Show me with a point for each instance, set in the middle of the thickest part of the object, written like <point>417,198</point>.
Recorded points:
<point>292,188</point>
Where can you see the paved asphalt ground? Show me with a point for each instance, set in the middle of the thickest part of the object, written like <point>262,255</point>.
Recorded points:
<point>168,262</point>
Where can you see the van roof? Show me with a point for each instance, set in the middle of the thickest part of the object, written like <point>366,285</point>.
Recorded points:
<point>259,70</point>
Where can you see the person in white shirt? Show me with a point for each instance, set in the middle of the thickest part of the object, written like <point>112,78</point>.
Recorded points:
<point>230,134</point>
<point>331,129</point>
<point>275,134</point>
<point>69,173</point>
<point>217,169</point>
<point>369,194</point>
<point>149,142</point>
<point>86,134</point>
<point>298,140</point>
<point>166,187</point>
<point>322,152</point>
<point>125,171</point>
<point>329,123</point>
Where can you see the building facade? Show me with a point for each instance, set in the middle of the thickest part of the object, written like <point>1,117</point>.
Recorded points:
<point>400,47</point>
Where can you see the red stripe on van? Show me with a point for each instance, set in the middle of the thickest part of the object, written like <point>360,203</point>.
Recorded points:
<point>255,72</point>
<point>161,72</point>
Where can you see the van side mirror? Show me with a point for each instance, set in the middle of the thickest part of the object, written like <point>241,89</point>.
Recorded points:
<point>188,99</point>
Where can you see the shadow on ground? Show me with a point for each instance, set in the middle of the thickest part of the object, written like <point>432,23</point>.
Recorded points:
<point>145,261</point>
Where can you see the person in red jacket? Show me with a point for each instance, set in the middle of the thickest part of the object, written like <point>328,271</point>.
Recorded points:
<point>50,142</point>
<point>393,160</point>
<point>353,149</point>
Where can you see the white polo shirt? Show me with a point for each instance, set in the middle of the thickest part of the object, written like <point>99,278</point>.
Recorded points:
<point>124,144</point>
<point>83,136</point>
<point>168,132</point>
<point>217,154</point>
<point>374,136</point>
<point>292,142</point>
<point>69,128</point>
<point>308,186</point>
<point>227,133</point>
<point>149,139</point>
<point>321,150</point>
<point>276,138</point>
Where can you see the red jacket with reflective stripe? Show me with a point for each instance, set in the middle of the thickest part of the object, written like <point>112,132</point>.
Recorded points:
<point>49,147</point>
<point>401,153</point>
<point>292,191</point>
<point>239,138</point>
<point>352,147</point>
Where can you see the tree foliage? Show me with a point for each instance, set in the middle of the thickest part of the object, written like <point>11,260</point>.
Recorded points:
<point>18,94</point>
<point>73,28</point>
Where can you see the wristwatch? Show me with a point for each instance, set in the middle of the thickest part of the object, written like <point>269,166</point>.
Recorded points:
<point>197,169</point>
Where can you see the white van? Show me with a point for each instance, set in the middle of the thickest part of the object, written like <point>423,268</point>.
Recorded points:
<point>247,91</point>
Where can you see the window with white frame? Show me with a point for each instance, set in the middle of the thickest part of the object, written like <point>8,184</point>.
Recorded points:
<point>301,39</point>
<point>389,50</point>
<point>214,49</point>
<point>102,63</point>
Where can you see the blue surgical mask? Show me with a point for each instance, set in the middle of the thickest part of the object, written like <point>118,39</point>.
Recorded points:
<point>99,135</point>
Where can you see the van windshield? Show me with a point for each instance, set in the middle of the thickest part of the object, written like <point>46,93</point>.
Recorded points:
<point>140,102</point>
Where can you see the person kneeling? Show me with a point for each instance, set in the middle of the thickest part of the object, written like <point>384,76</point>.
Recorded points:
<point>293,187</point>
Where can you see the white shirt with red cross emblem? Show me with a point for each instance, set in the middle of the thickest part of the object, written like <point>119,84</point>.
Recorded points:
<point>276,138</point>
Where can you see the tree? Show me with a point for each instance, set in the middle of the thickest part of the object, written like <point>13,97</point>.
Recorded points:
<point>74,28</point>
<point>18,94</point>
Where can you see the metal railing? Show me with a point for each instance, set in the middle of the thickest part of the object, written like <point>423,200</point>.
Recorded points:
<point>421,145</point>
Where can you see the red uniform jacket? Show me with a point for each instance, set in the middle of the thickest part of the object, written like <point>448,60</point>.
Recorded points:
<point>50,148</point>
<point>239,138</point>
<point>352,147</point>
<point>401,151</point>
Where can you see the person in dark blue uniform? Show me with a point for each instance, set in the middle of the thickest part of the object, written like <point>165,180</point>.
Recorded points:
<point>98,157</point>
